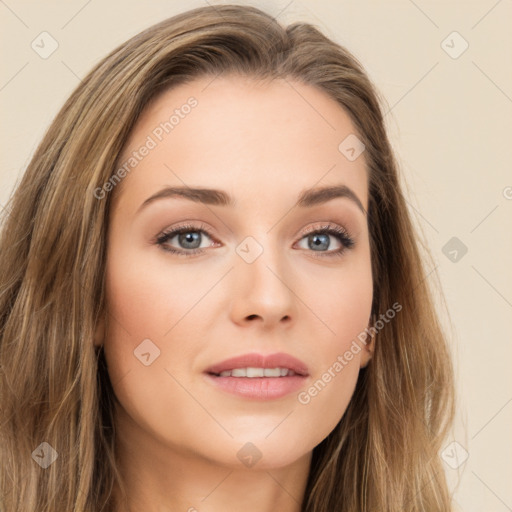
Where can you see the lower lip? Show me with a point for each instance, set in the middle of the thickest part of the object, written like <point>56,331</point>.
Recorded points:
<point>258,388</point>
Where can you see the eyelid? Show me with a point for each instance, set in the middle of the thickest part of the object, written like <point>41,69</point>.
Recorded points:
<point>324,226</point>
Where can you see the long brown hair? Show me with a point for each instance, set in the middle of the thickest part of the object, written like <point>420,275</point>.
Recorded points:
<point>54,387</point>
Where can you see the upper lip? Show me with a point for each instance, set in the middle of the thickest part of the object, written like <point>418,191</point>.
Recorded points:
<point>254,360</point>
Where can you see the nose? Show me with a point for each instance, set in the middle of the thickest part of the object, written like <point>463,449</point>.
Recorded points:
<point>263,292</point>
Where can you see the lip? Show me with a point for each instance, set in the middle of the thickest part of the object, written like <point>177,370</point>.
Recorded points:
<point>259,388</point>
<point>255,360</point>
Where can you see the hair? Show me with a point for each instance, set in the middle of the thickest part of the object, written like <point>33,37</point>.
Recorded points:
<point>54,385</point>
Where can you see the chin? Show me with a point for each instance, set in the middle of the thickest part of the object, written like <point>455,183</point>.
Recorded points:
<point>257,453</point>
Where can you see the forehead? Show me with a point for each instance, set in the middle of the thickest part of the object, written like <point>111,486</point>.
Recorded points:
<point>249,137</point>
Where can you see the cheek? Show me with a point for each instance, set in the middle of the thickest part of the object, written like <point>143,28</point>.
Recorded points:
<point>143,308</point>
<point>322,404</point>
<point>343,304</point>
<point>149,299</point>
<point>340,299</point>
<point>347,310</point>
<point>137,306</point>
<point>146,298</point>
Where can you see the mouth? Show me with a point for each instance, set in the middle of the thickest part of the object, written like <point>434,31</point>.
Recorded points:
<point>257,376</point>
<point>252,372</point>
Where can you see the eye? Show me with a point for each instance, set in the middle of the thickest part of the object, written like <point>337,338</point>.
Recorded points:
<point>189,240</point>
<point>319,240</point>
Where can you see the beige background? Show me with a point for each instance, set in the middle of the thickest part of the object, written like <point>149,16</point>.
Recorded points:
<point>450,120</point>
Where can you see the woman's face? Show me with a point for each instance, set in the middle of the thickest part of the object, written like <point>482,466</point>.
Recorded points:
<point>245,276</point>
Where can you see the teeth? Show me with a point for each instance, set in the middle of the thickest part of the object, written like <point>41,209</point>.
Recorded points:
<point>251,372</point>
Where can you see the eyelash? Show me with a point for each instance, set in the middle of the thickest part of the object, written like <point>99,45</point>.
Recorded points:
<point>340,233</point>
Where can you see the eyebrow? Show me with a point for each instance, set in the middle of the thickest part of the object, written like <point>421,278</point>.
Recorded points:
<point>307,198</point>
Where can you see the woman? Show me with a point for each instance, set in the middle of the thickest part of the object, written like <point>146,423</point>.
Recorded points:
<point>212,296</point>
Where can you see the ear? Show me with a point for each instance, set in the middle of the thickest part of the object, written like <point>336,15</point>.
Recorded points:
<point>99,334</point>
<point>367,353</point>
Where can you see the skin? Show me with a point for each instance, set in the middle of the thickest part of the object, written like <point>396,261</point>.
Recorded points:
<point>178,436</point>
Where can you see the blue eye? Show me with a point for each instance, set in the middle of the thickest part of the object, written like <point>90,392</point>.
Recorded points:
<point>319,240</point>
<point>190,240</point>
